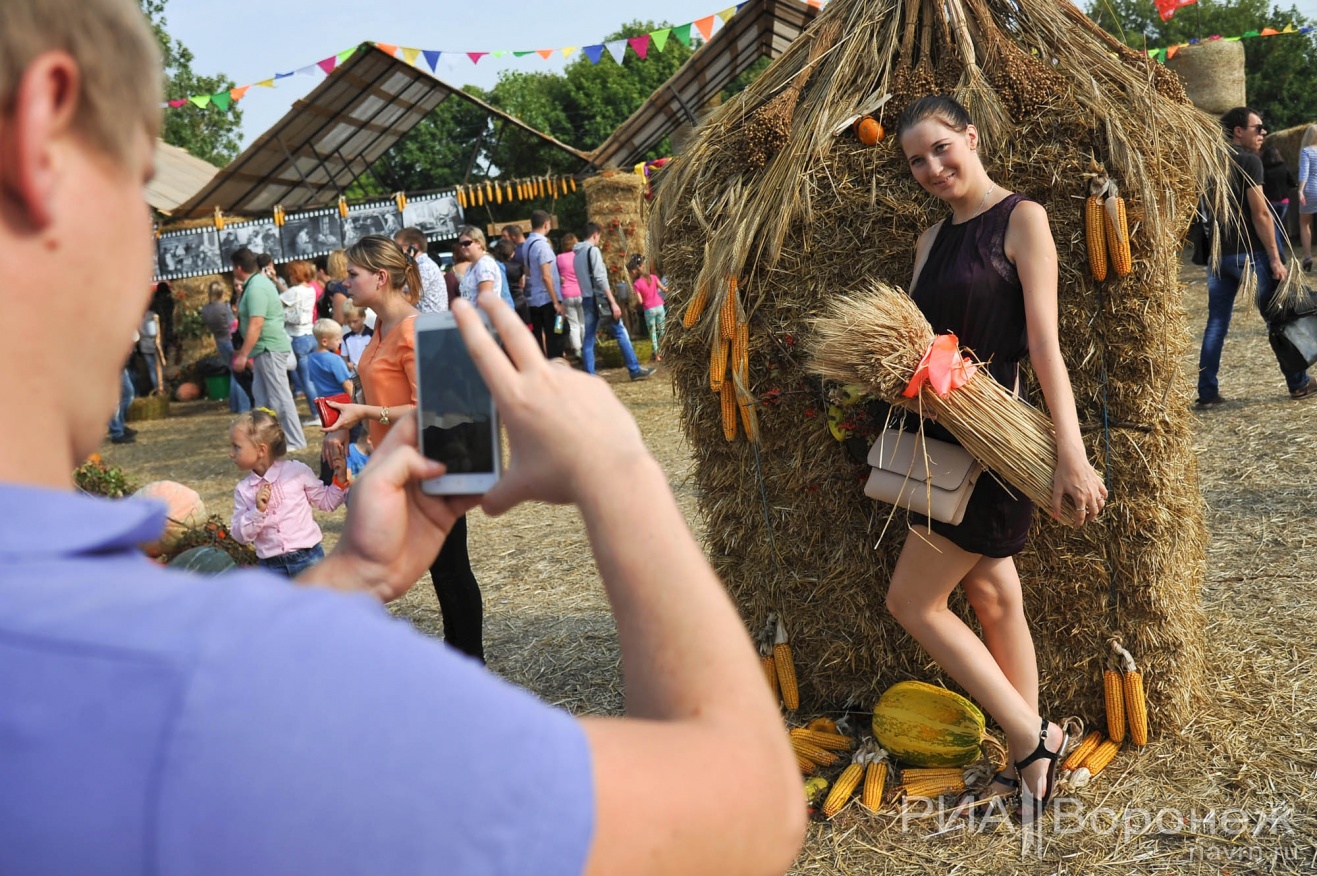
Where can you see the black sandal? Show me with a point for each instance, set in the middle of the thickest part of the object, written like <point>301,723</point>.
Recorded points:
<point>1028,802</point>
<point>970,802</point>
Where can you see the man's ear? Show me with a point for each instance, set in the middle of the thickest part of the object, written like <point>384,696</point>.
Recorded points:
<point>41,116</point>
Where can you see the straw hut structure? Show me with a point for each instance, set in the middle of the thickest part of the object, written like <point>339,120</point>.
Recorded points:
<point>772,196</point>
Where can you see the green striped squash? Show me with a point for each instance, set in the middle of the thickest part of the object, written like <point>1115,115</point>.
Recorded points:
<point>928,726</point>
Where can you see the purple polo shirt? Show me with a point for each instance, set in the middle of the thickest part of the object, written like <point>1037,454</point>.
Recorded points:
<point>157,722</point>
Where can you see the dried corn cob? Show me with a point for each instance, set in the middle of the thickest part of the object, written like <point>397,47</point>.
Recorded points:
<point>695,309</point>
<point>1076,758</point>
<point>728,400</point>
<point>749,417</point>
<point>922,775</point>
<point>786,668</point>
<point>807,766</point>
<point>813,752</point>
<point>934,787</point>
<point>842,789</point>
<point>1132,694</point>
<point>770,673</point>
<point>1118,233</point>
<point>741,349</point>
<point>1096,235</point>
<point>718,352</point>
<point>498,194</point>
<point>875,778</point>
<point>1113,687</point>
<point>727,315</point>
<point>1101,756</point>
<point>573,181</point>
<point>828,741</point>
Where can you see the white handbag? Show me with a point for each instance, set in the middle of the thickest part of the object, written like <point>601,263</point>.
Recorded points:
<point>931,477</point>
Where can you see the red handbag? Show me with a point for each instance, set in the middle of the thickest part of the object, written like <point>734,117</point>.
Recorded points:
<point>328,415</point>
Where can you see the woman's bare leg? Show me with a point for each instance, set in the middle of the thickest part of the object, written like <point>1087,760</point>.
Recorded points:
<point>1305,232</point>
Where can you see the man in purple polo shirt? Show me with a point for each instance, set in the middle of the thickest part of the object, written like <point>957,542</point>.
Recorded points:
<point>154,722</point>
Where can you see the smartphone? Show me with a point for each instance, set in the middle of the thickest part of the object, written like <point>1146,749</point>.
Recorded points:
<point>457,422</point>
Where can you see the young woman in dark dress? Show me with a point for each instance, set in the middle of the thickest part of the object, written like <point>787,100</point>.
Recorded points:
<point>988,273</point>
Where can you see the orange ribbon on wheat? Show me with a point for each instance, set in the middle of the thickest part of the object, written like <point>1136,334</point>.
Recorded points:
<point>943,367</point>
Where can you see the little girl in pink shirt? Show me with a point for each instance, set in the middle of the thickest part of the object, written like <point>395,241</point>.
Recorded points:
<point>272,505</point>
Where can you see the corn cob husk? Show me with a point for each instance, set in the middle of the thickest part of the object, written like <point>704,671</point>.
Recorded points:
<point>786,667</point>
<point>827,741</point>
<point>1116,230</point>
<point>1076,758</point>
<point>820,756</point>
<point>1114,688</point>
<point>1095,234</point>
<point>843,788</point>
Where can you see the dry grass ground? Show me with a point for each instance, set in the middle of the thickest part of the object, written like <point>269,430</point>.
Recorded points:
<point>1232,793</point>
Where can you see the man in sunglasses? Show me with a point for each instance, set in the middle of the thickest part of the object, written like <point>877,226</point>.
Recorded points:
<point>1248,238</point>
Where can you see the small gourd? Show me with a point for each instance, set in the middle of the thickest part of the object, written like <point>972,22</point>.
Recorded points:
<point>869,130</point>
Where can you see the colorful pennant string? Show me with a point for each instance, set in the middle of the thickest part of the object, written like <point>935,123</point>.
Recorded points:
<point>640,45</point>
<point>1164,54</point>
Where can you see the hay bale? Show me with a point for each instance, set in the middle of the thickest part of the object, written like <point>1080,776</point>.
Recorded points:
<point>148,407</point>
<point>1213,74</point>
<point>788,526</point>
<point>616,201</point>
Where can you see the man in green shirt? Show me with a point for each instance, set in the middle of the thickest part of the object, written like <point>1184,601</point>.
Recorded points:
<point>266,345</point>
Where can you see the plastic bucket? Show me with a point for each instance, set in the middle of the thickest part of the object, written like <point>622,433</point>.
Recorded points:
<point>217,388</point>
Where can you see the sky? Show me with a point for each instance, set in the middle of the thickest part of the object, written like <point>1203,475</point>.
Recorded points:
<point>251,40</point>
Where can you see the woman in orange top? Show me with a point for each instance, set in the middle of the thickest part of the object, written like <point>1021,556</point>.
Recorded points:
<point>384,278</point>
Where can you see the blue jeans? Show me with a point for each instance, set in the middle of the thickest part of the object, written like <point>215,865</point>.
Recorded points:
<point>126,396</point>
<point>619,332</point>
<point>303,347</point>
<point>1221,291</point>
<point>294,563</point>
<point>239,402</point>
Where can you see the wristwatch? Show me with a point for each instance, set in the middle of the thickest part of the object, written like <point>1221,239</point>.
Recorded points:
<point>384,416</point>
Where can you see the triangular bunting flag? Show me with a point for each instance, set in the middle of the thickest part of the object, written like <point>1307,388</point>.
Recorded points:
<point>328,64</point>
<point>616,48</point>
<point>201,100</point>
<point>345,54</point>
<point>594,53</point>
<point>432,58</point>
<point>239,93</point>
<point>639,45</point>
<point>476,56</point>
<point>1233,39</point>
<point>546,54</point>
<point>1289,28</point>
<point>1170,52</point>
<point>498,53</point>
<point>266,83</point>
<point>222,100</point>
<point>409,55</point>
<point>660,37</point>
<point>739,5</point>
<point>683,34</point>
<point>310,69</point>
<point>567,52</point>
<point>182,101</point>
<point>522,54</point>
<point>727,13</point>
<point>284,75</point>
<point>387,49</point>
<point>817,4</point>
<point>705,26</point>
<point>1269,31</point>
<point>1249,34</point>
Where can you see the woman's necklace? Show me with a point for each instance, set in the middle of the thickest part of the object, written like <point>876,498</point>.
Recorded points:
<point>979,208</point>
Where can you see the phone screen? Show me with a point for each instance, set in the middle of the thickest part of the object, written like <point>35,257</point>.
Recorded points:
<point>456,409</point>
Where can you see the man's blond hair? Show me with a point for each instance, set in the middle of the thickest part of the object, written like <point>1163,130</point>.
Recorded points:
<point>122,73</point>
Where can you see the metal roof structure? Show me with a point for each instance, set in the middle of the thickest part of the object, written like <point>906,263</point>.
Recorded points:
<point>334,135</point>
<point>178,176</point>
<point>759,28</point>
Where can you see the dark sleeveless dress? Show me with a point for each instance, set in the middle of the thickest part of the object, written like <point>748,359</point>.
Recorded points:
<point>969,287</point>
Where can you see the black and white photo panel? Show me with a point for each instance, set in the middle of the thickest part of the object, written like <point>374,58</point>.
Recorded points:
<point>439,216</point>
<point>191,253</point>
<point>380,217</point>
<point>311,234</point>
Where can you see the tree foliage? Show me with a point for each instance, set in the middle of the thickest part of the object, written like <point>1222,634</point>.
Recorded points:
<point>1280,71</point>
<point>207,133</point>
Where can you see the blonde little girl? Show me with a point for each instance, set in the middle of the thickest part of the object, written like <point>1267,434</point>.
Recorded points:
<point>272,505</point>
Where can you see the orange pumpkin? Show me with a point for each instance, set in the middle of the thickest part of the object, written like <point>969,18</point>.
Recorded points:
<point>183,508</point>
<point>868,130</point>
<point>187,392</point>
